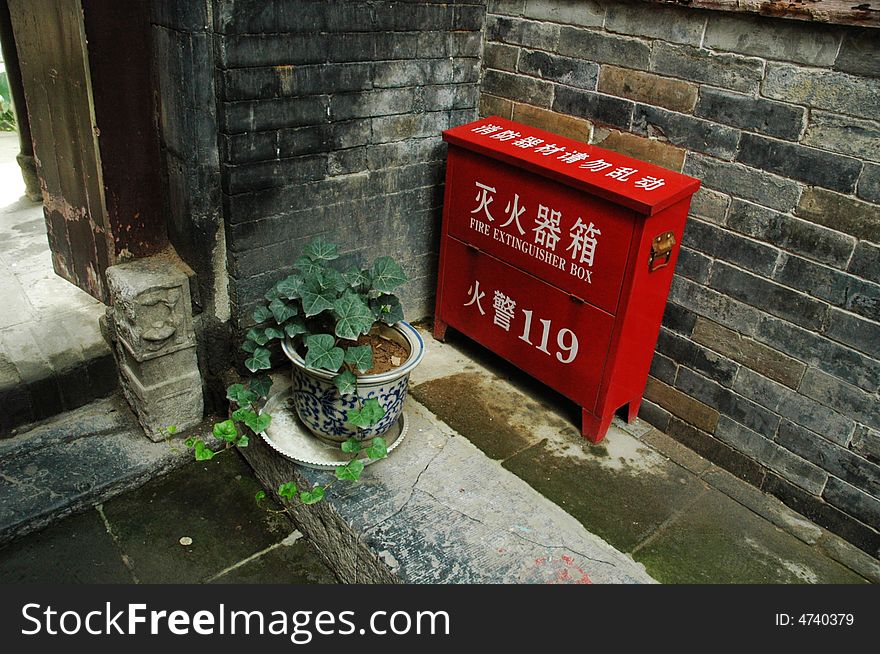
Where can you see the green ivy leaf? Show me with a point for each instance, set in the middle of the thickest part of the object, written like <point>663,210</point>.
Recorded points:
<point>307,267</point>
<point>360,356</point>
<point>356,277</point>
<point>260,385</point>
<point>346,382</point>
<point>322,352</point>
<point>354,317</point>
<point>225,430</point>
<point>261,314</point>
<point>257,335</point>
<point>351,471</point>
<point>377,449</point>
<point>313,496</point>
<point>351,446</point>
<point>273,333</point>
<point>260,496</point>
<point>171,429</point>
<point>272,293</point>
<point>387,308</point>
<point>190,442</point>
<point>368,415</point>
<point>240,395</point>
<point>248,346</point>
<point>387,274</point>
<point>287,490</point>
<point>289,287</point>
<point>317,298</point>
<point>203,452</point>
<point>240,414</point>
<point>281,310</point>
<point>243,441</point>
<point>295,327</point>
<point>257,423</point>
<point>260,360</point>
<point>321,250</point>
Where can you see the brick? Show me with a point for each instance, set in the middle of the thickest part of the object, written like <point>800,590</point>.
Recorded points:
<point>492,105</point>
<point>451,96</point>
<point>508,7</point>
<point>710,205</point>
<point>865,261</point>
<point>500,56</point>
<point>842,397</point>
<point>565,70</point>
<point>461,44</point>
<point>345,106</point>
<point>866,443</point>
<point>241,178</point>
<point>727,402</point>
<point>518,87</point>
<point>687,353</point>
<point>841,213</point>
<point>770,297</point>
<point>663,368</point>
<point>741,181</point>
<point>832,286</point>
<point>570,126</point>
<point>249,50</point>
<point>859,53</point>
<point>822,513</point>
<point>292,81</point>
<point>790,233</point>
<point>869,183</point>
<point>837,460</point>
<point>648,88</point>
<point>719,453</point>
<point>698,65</point>
<point>604,48</point>
<point>843,134</point>
<point>659,23</point>
<point>710,303</point>
<point>790,466</point>
<point>595,107</point>
<point>755,356</point>
<point>527,33</point>
<point>788,40</point>
<point>681,405</point>
<point>693,265</point>
<point>272,114</point>
<point>587,13</point>
<point>794,406</point>
<point>852,501</point>
<point>823,89</point>
<point>794,161</point>
<point>685,131</point>
<point>678,319</point>
<point>777,119</point>
<point>816,350</point>
<point>654,415</point>
<point>730,246</point>
<point>642,148</point>
<point>406,126</point>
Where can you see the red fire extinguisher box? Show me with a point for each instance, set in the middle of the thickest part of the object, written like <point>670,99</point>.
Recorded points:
<point>558,256</point>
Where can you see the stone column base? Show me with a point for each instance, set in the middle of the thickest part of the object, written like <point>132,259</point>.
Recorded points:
<point>29,175</point>
<point>150,325</point>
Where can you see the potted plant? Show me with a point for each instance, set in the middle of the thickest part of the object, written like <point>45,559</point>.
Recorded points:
<point>351,354</point>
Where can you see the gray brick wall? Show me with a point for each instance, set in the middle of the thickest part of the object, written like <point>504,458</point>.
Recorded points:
<point>330,118</point>
<point>769,359</point>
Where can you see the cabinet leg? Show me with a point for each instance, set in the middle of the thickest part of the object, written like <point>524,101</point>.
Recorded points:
<point>632,411</point>
<point>439,329</point>
<point>594,428</point>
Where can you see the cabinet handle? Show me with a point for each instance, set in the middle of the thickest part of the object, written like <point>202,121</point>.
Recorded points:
<point>661,251</point>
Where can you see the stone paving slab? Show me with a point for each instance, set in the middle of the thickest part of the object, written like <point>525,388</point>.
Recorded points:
<point>438,510</point>
<point>78,459</point>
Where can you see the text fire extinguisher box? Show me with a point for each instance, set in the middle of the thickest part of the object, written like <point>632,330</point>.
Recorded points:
<point>558,256</point>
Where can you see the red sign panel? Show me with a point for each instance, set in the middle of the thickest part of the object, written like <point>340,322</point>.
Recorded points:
<point>574,241</point>
<point>535,326</point>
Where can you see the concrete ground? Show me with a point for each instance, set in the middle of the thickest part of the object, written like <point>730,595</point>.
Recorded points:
<point>685,519</point>
<point>198,524</point>
<point>52,355</point>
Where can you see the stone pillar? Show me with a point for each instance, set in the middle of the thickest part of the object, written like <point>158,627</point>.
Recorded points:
<point>150,324</point>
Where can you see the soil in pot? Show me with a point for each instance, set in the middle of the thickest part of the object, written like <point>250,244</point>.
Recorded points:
<point>387,355</point>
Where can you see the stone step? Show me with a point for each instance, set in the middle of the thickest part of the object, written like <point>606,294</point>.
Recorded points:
<point>51,366</point>
<point>75,460</point>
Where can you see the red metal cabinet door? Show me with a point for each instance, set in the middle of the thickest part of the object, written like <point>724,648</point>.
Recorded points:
<point>557,339</point>
<point>574,241</point>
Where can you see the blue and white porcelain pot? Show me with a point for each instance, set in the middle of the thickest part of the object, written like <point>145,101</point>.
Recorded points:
<point>323,410</point>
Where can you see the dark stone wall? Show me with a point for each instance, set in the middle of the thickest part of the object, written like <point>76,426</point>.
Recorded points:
<point>330,117</point>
